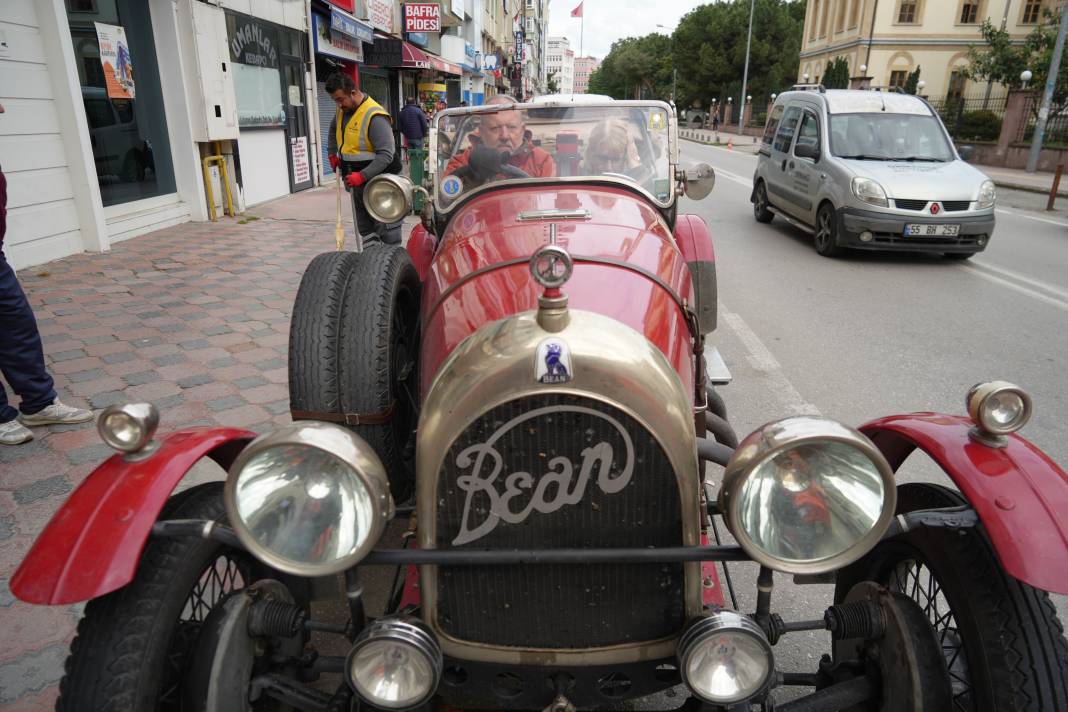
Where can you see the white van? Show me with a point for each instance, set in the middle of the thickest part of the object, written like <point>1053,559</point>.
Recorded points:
<point>870,170</point>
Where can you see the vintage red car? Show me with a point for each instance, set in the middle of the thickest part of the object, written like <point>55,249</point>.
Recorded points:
<point>528,391</point>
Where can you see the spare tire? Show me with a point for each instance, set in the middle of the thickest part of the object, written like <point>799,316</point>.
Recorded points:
<point>353,352</point>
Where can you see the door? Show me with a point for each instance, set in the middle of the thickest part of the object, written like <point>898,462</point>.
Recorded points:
<point>300,164</point>
<point>803,172</point>
<point>777,177</point>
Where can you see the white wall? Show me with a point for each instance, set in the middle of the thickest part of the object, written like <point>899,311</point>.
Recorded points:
<point>290,13</point>
<point>264,164</point>
<point>43,216</point>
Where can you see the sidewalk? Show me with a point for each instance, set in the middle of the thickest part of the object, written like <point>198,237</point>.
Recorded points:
<point>737,142</point>
<point>194,318</point>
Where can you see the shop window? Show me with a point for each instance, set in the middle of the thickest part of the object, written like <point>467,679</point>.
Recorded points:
<point>123,99</point>
<point>254,55</point>
<point>969,13</point>
<point>906,12</point>
<point>898,77</point>
<point>1032,11</point>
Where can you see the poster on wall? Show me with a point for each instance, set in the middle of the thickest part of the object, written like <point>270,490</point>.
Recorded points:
<point>331,42</point>
<point>115,58</point>
<point>298,148</point>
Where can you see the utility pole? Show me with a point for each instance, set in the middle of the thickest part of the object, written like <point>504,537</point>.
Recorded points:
<point>745,73</point>
<point>1047,95</point>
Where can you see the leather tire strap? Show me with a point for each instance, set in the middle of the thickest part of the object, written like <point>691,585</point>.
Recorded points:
<point>379,418</point>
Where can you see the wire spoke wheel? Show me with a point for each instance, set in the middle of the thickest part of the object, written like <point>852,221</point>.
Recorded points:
<point>914,579</point>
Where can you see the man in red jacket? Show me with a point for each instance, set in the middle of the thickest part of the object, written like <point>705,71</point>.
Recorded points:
<point>502,142</point>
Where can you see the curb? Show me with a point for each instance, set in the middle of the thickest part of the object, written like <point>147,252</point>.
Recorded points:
<point>1027,188</point>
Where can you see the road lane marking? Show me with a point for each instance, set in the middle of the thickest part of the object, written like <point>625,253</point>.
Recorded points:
<point>1036,283</point>
<point>747,182</point>
<point>1053,301</point>
<point>1018,214</point>
<point>764,361</point>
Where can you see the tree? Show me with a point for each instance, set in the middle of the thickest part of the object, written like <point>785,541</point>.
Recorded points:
<point>836,74</point>
<point>551,86</point>
<point>1002,62</point>
<point>912,82</point>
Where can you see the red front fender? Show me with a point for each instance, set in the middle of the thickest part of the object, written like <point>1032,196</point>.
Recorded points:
<point>1020,494</point>
<point>93,543</point>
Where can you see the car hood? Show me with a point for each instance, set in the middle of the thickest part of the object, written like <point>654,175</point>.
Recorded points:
<point>627,265</point>
<point>954,180</point>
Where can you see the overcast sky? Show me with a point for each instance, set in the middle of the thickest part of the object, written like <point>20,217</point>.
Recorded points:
<point>611,20</point>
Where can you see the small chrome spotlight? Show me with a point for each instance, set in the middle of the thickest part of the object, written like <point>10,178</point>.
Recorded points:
<point>997,408</point>
<point>725,658</point>
<point>128,427</point>
<point>395,664</point>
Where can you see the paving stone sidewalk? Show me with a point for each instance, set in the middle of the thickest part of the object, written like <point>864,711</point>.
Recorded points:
<point>194,318</point>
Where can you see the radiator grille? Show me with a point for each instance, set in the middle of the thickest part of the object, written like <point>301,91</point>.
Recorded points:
<point>907,204</point>
<point>955,206</point>
<point>561,606</point>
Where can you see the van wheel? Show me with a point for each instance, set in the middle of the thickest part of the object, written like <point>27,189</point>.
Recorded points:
<point>760,204</point>
<point>826,235</point>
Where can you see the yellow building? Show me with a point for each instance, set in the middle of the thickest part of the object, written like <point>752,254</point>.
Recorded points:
<point>893,37</point>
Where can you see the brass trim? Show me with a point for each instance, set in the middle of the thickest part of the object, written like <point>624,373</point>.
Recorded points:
<point>614,364</point>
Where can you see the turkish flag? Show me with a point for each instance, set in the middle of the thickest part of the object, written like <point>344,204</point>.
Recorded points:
<point>577,12</point>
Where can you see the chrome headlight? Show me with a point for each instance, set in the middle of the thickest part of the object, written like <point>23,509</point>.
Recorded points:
<point>388,197</point>
<point>869,191</point>
<point>999,407</point>
<point>128,427</point>
<point>309,499</point>
<point>395,664</point>
<point>807,495</point>
<point>725,658</point>
<point>987,195</point>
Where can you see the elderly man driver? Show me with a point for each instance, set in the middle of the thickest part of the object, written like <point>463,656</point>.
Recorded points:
<point>501,150</point>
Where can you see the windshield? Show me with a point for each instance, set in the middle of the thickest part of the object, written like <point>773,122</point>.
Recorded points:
<point>501,142</point>
<point>889,137</point>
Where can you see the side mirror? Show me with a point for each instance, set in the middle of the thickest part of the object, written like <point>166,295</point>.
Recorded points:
<point>807,150</point>
<point>966,152</point>
<point>698,181</point>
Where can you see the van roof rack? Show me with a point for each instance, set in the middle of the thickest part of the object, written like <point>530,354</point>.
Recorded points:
<point>810,87</point>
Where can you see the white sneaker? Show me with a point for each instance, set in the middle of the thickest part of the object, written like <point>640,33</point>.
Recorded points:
<point>57,414</point>
<point>14,433</point>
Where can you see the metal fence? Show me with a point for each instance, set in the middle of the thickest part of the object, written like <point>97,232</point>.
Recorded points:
<point>974,116</point>
<point>1056,125</point>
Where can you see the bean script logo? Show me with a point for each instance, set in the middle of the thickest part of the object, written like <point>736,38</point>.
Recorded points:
<point>566,479</point>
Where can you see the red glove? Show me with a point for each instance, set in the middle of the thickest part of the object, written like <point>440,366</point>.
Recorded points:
<point>355,180</point>
<point>334,161</point>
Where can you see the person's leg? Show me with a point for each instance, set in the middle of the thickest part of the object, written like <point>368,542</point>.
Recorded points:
<point>365,224</point>
<point>21,353</point>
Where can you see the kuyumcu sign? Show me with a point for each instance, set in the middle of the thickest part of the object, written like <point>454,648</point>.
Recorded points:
<point>422,17</point>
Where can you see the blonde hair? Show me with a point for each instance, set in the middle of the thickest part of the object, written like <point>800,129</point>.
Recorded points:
<point>614,135</point>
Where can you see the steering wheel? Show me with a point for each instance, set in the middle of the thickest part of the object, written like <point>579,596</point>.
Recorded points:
<point>513,171</point>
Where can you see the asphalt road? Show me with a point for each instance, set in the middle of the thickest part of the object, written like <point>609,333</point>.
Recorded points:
<point>874,334</point>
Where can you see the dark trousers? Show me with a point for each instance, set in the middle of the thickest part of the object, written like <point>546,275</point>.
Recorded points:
<point>389,233</point>
<point>21,354</point>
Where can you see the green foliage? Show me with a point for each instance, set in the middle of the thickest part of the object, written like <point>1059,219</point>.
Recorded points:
<point>708,49</point>
<point>836,74</point>
<point>1001,61</point>
<point>913,81</point>
<point>979,125</point>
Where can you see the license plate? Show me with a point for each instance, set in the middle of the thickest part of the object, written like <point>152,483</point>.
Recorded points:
<point>920,230</point>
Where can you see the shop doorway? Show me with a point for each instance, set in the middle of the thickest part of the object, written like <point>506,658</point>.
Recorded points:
<point>296,128</point>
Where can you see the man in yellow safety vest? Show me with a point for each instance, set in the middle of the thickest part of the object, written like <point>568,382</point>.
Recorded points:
<point>361,145</point>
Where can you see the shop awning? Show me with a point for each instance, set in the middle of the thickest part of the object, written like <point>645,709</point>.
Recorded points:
<point>414,58</point>
<point>444,66</point>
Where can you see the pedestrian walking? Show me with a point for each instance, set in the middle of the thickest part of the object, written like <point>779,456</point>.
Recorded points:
<point>413,123</point>
<point>22,357</point>
<point>715,121</point>
<point>362,146</point>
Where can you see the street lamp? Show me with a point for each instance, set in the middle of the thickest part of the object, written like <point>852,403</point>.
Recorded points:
<point>805,77</point>
<point>920,85</point>
<point>773,95</point>
<point>1025,76</point>
<point>863,70</point>
<point>748,98</point>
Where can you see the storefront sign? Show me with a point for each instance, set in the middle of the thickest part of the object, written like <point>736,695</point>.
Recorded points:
<point>350,26</point>
<point>115,58</point>
<point>333,43</point>
<point>456,7</point>
<point>347,5</point>
<point>298,149</point>
<point>419,38</point>
<point>489,61</point>
<point>445,66</point>
<point>253,43</point>
<point>519,46</point>
<point>422,17</point>
<point>380,14</point>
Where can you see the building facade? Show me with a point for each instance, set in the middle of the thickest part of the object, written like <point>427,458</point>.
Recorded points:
<point>891,38</point>
<point>535,22</point>
<point>584,67</point>
<point>121,114</point>
<point>560,64</point>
